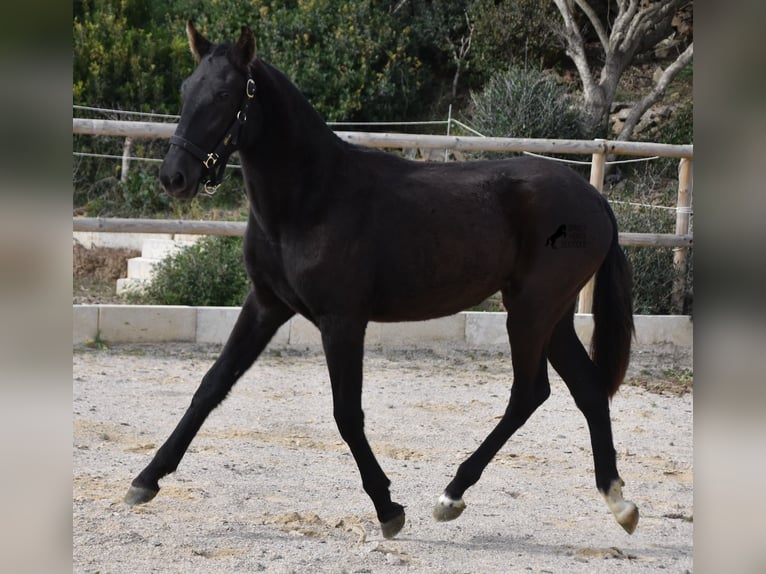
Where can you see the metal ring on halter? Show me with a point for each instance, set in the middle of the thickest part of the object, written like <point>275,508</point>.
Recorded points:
<point>210,189</point>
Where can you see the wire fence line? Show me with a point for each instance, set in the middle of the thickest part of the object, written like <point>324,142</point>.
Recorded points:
<point>112,156</point>
<point>589,162</point>
<point>677,209</point>
<point>237,166</point>
<point>529,153</point>
<point>111,111</point>
<point>131,158</point>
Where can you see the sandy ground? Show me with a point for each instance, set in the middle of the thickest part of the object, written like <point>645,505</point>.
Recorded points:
<point>269,486</point>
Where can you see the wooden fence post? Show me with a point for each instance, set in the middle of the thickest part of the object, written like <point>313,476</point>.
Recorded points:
<point>449,129</point>
<point>126,150</point>
<point>598,161</point>
<point>683,218</point>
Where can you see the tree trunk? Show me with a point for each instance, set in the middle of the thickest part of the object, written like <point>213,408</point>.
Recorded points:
<point>596,113</point>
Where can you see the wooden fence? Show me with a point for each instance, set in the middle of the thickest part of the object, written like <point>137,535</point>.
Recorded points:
<point>599,149</point>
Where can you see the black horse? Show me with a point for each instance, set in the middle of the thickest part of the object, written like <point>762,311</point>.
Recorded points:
<point>344,235</point>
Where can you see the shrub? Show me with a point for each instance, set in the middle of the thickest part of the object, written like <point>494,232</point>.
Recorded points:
<point>679,129</point>
<point>525,102</point>
<point>653,271</point>
<point>209,273</point>
<point>652,279</point>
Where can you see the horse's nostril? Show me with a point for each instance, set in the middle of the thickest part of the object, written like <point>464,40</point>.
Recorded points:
<point>179,181</point>
<point>164,180</point>
<point>172,183</point>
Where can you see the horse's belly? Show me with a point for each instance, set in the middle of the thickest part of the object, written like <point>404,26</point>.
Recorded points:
<point>424,292</point>
<point>420,308</point>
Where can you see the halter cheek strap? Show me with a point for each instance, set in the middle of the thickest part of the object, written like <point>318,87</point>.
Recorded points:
<point>215,161</point>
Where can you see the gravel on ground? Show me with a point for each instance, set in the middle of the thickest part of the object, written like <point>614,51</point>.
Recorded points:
<point>268,484</point>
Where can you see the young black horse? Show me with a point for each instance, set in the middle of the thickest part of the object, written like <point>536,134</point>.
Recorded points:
<point>344,235</point>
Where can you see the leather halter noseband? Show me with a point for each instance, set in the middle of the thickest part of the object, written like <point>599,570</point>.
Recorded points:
<point>215,161</point>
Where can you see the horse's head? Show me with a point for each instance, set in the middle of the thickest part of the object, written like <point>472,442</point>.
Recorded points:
<point>218,100</point>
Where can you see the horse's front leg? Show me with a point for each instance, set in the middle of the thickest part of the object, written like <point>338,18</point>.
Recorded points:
<point>261,315</point>
<point>343,342</point>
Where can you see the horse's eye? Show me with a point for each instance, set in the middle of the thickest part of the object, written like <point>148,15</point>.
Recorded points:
<point>222,95</point>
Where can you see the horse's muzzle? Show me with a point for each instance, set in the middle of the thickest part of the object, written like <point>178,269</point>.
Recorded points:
<point>177,181</point>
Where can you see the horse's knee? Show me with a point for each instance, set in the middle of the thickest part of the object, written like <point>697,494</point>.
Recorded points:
<point>211,392</point>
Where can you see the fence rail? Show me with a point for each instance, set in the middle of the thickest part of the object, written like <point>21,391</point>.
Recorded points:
<point>237,228</point>
<point>183,226</point>
<point>599,149</point>
<point>132,129</point>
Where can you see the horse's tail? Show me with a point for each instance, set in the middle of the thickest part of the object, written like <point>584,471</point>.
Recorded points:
<point>613,315</point>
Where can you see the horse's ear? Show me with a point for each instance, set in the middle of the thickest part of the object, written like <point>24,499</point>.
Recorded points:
<point>245,48</point>
<point>198,44</point>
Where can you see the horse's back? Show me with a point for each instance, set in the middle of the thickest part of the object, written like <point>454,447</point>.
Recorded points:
<point>483,205</point>
<point>505,186</point>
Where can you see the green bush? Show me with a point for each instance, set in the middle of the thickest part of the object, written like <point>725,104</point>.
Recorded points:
<point>209,273</point>
<point>679,129</point>
<point>352,60</point>
<point>525,103</point>
<point>653,280</point>
<point>654,184</point>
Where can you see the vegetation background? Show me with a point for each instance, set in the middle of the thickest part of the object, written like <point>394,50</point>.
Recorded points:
<point>503,66</point>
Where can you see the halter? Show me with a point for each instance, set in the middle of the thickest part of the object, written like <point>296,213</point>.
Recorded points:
<point>215,161</point>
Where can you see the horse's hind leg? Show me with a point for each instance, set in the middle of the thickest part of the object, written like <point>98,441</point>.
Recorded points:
<point>528,332</point>
<point>568,356</point>
<point>261,315</point>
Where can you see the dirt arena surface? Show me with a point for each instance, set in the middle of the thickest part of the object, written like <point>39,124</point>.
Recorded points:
<point>268,485</point>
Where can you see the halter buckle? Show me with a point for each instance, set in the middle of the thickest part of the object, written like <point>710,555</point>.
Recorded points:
<point>211,160</point>
<point>250,88</point>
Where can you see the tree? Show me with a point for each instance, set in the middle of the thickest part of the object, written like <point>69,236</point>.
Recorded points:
<point>638,26</point>
<point>517,32</point>
<point>441,33</point>
<point>352,60</point>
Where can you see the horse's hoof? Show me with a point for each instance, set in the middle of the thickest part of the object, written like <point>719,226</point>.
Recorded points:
<point>628,517</point>
<point>139,495</point>
<point>448,509</point>
<point>624,511</point>
<point>393,526</point>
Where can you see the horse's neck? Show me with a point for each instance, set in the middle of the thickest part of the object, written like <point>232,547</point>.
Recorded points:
<point>292,156</point>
